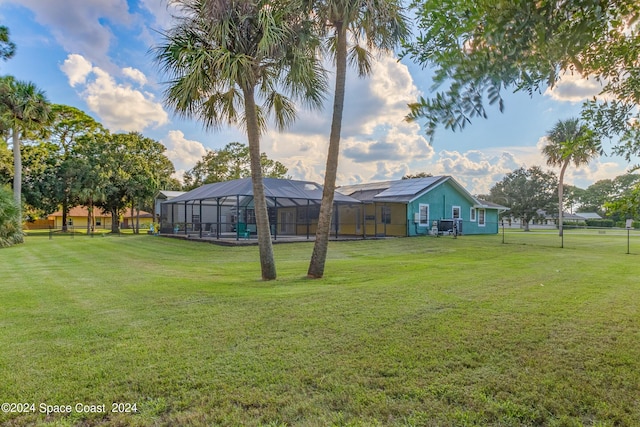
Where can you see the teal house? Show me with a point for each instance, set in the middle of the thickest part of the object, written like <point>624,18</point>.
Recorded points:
<point>422,206</point>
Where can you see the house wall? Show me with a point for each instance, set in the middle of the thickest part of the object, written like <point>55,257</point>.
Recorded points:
<point>379,219</point>
<point>80,222</point>
<point>441,201</point>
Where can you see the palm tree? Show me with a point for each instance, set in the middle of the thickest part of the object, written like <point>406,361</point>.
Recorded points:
<point>224,56</point>
<point>569,142</point>
<point>355,28</point>
<point>24,107</point>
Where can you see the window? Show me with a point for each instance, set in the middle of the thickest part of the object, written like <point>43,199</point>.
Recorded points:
<point>385,213</point>
<point>472,215</point>
<point>481,218</point>
<point>98,222</point>
<point>455,212</point>
<point>424,215</point>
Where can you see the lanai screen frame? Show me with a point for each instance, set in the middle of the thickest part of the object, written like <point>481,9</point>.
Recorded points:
<point>195,200</point>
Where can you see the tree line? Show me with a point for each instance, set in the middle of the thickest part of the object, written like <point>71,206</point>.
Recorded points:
<point>531,195</point>
<point>63,158</point>
<point>69,159</point>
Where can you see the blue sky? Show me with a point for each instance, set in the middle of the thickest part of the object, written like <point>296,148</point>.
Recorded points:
<point>94,55</point>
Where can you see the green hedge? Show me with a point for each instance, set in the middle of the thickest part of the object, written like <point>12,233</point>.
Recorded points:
<point>600,223</point>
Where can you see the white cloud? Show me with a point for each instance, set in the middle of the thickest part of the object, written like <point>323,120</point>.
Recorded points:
<point>184,153</point>
<point>574,88</point>
<point>118,106</point>
<point>162,11</point>
<point>477,171</point>
<point>376,142</point>
<point>135,75</point>
<point>77,69</point>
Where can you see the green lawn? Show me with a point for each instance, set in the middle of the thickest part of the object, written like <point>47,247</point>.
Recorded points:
<point>407,332</point>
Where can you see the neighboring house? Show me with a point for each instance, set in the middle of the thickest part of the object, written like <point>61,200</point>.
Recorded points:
<point>545,218</point>
<point>413,207</point>
<point>78,216</point>
<point>163,196</point>
<point>589,215</point>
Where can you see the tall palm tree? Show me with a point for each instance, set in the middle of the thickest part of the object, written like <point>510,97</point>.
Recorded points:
<point>355,29</point>
<point>224,57</point>
<point>24,107</point>
<point>569,142</point>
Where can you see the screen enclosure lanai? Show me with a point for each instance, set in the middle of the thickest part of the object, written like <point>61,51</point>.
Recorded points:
<point>226,210</point>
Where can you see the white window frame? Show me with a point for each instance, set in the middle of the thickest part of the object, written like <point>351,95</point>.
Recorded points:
<point>426,222</point>
<point>472,214</point>
<point>453,208</point>
<point>482,217</point>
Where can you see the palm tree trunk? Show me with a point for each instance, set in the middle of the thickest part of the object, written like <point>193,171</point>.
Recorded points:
<point>560,196</point>
<point>17,173</point>
<point>320,247</point>
<point>267,261</point>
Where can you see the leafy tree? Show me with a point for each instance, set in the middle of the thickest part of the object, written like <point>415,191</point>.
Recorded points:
<point>67,125</point>
<point>524,192</point>
<point>7,47</point>
<point>23,107</point>
<point>355,29</point>
<point>627,206</point>
<point>121,169</point>
<point>481,48</point>
<point>43,171</point>
<point>231,162</point>
<point>595,197</point>
<point>418,175</point>
<point>569,142</point>
<point>6,164</point>
<point>10,229</point>
<point>149,171</point>
<point>224,57</point>
<point>572,196</point>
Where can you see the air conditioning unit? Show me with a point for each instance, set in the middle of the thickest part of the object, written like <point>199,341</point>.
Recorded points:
<point>416,217</point>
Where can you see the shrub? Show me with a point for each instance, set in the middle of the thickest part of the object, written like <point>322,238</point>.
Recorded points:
<point>10,231</point>
<point>600,223</point>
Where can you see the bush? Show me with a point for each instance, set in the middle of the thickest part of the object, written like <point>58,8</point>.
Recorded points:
<point>10,231</point>
<point>600,223</point>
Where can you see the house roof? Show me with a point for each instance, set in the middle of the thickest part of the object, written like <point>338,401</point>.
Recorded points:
<point>491,205</point>
<point>589,215</point>
<point>169,194</point>
<point>403,191</point>
<point>273,188</point>
<point>82,211</point>
<point>408,190</point>
<point>565,215</point>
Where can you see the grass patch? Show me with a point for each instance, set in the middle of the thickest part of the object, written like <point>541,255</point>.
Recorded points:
<point>407,332</point>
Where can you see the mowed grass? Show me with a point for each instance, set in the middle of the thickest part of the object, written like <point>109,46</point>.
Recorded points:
<point>401,332</point>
